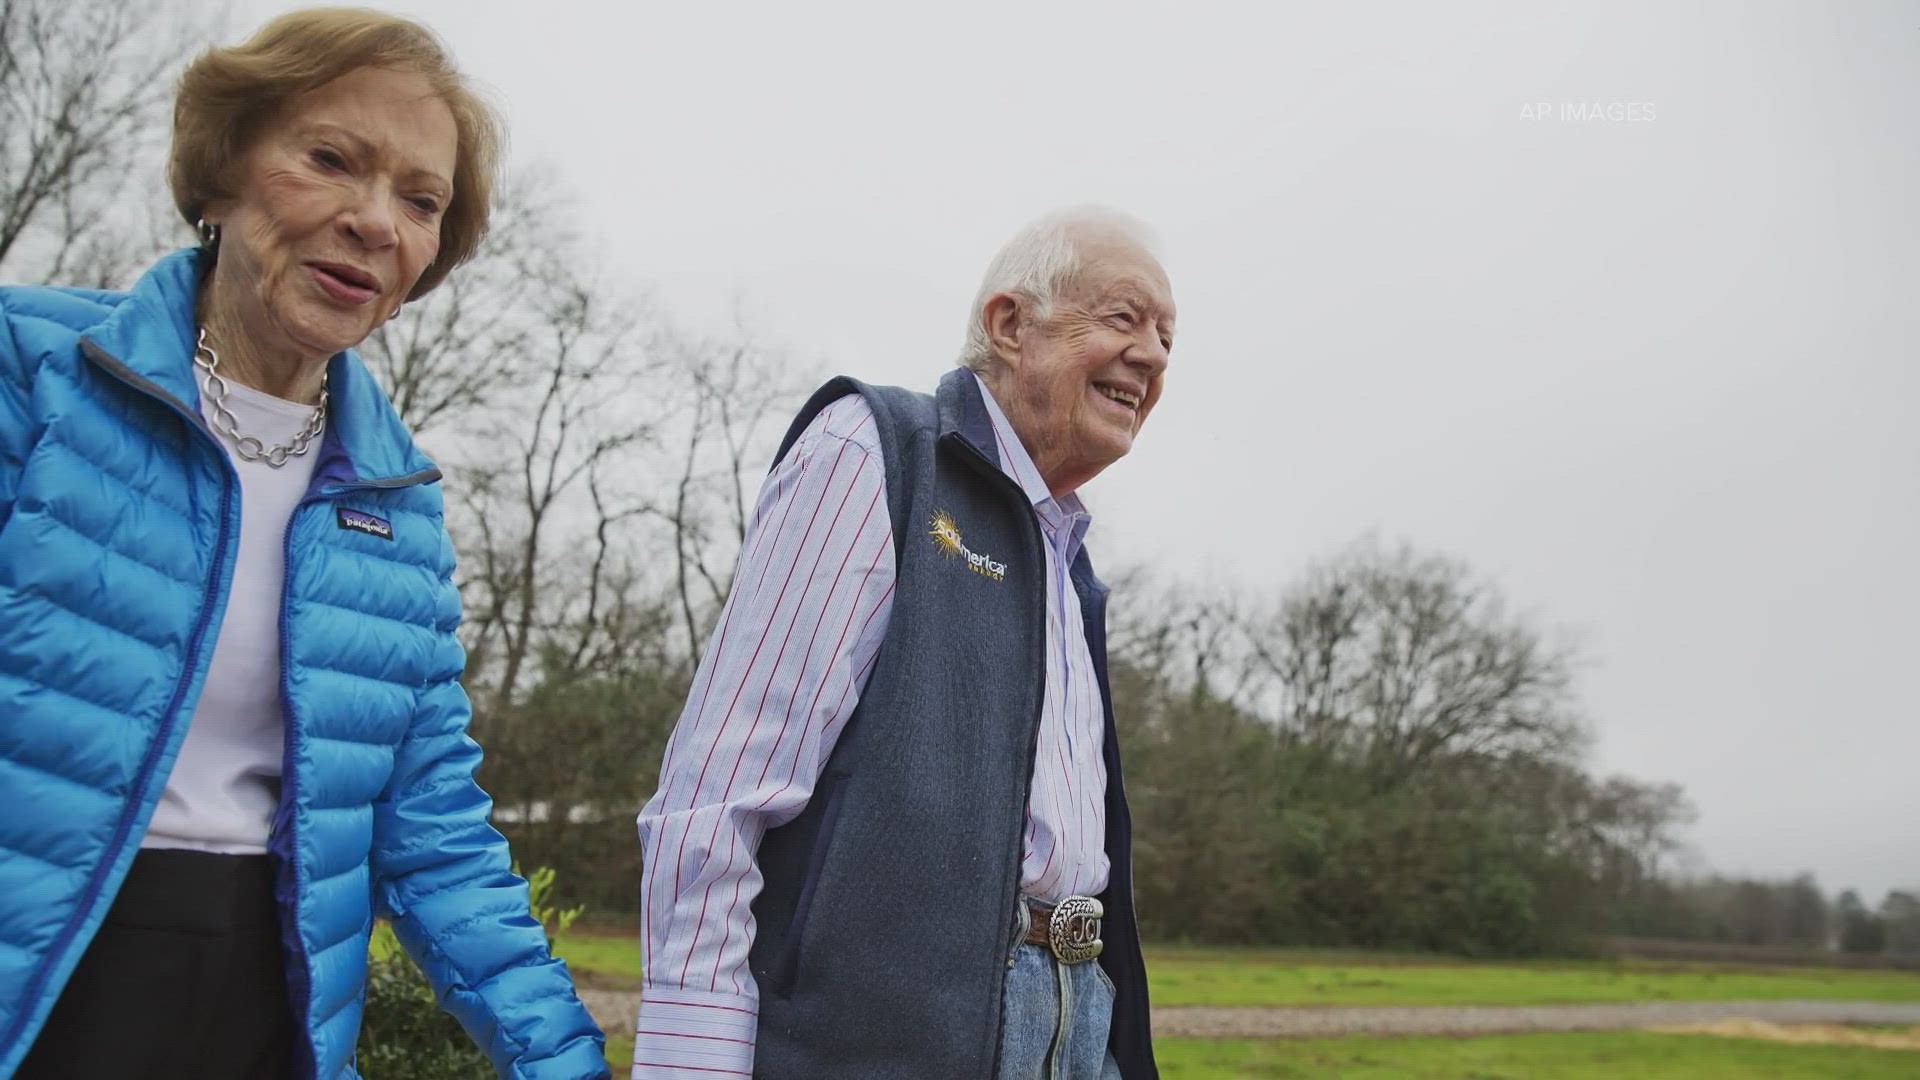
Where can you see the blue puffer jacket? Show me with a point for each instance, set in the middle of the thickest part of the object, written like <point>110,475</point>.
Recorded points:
<point>119,517</point>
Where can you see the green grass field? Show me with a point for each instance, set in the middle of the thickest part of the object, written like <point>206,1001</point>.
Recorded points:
<point>1274,977</point>
<point>1588,1056</point>
<point>1280,978</point>
<point>1585,1056</point>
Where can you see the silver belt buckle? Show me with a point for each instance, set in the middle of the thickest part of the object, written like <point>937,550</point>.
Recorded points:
<point>1073,932</point>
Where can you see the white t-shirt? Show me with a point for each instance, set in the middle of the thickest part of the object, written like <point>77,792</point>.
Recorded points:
<point>224,786</point>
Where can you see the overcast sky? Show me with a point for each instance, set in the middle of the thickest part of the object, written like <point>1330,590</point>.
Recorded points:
<point>1619,302</point>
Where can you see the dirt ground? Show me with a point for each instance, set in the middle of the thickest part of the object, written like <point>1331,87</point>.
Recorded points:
<point>1807,1034</point>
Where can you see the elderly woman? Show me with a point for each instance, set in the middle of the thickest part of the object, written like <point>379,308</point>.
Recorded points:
<point>231,721</point>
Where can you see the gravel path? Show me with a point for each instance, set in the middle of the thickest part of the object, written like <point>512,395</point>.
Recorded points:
<point>615,1010</point>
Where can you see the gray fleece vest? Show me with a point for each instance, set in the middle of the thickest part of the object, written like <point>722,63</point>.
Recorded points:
<point>887,917</point>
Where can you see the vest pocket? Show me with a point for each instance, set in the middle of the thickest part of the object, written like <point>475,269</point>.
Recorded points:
<point>786,968</point>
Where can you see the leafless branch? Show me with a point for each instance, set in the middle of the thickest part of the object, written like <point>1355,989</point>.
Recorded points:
<point>84,89</point>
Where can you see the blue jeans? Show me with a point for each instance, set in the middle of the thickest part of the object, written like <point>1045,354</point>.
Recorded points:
<point>1056,1019</point>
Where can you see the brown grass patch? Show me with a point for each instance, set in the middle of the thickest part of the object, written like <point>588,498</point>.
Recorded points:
<point>1882,1038</point>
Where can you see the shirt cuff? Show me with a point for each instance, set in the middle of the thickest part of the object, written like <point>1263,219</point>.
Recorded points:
<point>693,1035</point>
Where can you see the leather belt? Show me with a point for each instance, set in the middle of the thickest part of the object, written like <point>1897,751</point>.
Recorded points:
<point>1069,929</point>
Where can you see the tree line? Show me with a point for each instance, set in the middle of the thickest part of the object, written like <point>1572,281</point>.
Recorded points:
<point>1380,755</point>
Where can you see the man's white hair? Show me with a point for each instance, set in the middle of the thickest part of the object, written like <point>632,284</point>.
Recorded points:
<point>1039,264</point>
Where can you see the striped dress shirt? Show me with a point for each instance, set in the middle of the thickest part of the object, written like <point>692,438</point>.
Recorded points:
<point>786,664</point>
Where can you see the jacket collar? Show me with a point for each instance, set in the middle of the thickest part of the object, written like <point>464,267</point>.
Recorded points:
<point>963,414</point>
<point>151,336</point>
<point>969,413</point>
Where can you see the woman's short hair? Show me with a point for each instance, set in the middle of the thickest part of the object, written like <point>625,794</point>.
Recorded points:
<point>229,96</point>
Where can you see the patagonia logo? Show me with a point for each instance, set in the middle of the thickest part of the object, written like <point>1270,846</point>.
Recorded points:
<point>359,521</point>
<point>946,535</point>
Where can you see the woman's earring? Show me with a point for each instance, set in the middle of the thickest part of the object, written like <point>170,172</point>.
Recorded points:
<point>209,234</point>
<point>397,308</point>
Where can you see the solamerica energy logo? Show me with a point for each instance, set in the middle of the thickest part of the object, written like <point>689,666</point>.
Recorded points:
<point>946,535</point>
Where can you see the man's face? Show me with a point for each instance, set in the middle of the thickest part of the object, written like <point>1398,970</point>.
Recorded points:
<point>1078,385</point>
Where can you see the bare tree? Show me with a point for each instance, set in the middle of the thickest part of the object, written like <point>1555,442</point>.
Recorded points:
<point>1405,657</point>
<point>523,374</point>
<point>460,349</point>
<point>730,393</point>
<point>574,424</point>
<point>1179,634</point>
<point>84,88</point>
<point>1900,912</point>
<point>585,439</point>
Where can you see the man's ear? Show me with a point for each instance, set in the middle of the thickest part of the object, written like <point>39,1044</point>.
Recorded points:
<point>1002,319</point>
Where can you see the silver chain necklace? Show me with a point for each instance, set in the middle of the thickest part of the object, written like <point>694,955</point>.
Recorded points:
<point>224,422</point>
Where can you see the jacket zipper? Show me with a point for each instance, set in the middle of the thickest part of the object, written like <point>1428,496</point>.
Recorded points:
<point>286,831</point>
<point>222,561</point>
<point>286,835</point>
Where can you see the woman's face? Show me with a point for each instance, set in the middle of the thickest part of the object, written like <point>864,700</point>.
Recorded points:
<point>337,214</point>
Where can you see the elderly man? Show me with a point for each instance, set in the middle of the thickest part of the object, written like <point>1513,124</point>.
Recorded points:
<point>891,818</point>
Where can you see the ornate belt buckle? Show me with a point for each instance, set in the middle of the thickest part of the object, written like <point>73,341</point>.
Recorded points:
<point>1073,933</point>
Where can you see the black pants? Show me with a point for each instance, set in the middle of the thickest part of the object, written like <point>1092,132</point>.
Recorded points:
<point>185,979</point>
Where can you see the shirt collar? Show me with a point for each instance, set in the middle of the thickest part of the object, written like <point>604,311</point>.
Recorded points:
<point>1065,514</point>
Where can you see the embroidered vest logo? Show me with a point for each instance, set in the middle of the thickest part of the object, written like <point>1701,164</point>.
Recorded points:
<point>946,535</point>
